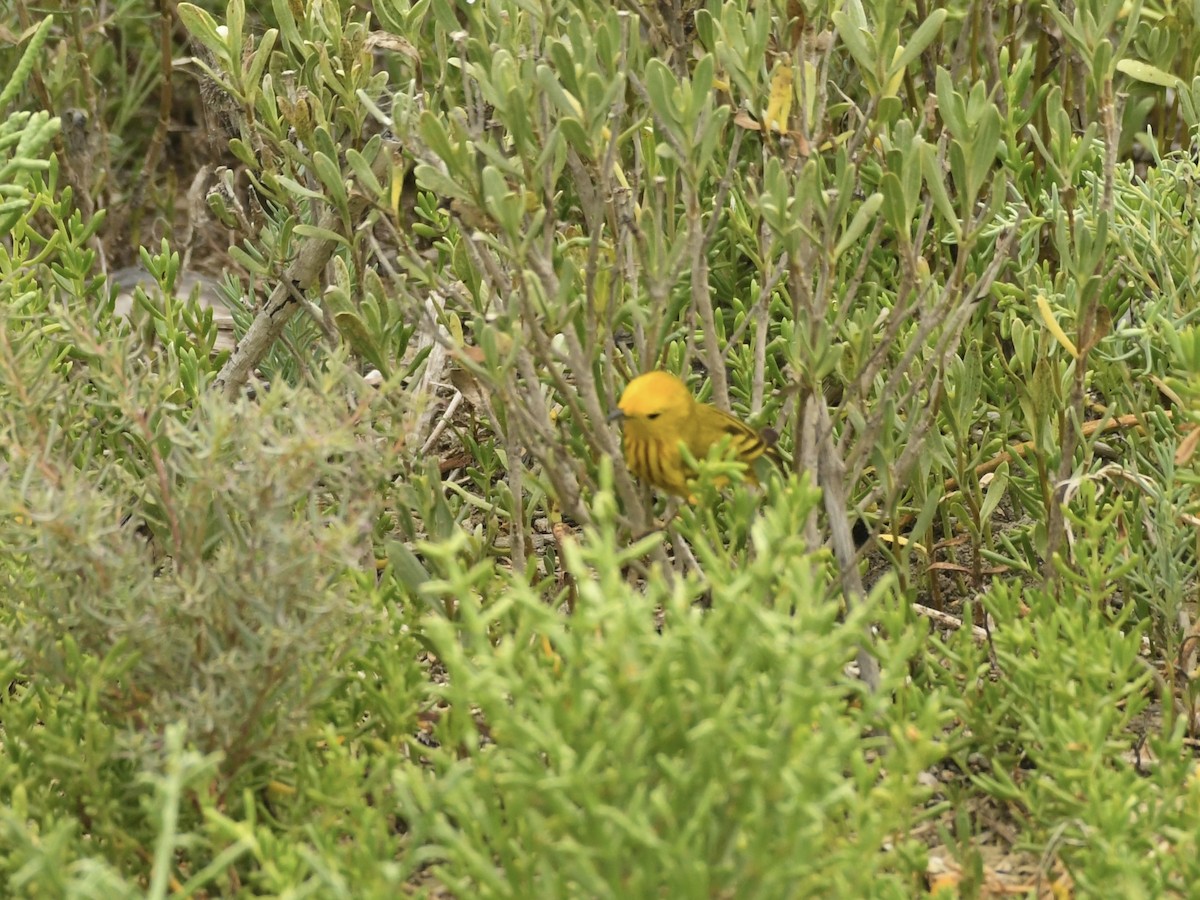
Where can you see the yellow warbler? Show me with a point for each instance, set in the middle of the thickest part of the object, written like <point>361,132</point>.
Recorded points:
<point>658,413</point>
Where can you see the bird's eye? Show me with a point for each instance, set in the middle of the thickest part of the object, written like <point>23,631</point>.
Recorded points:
<point>653,416</point>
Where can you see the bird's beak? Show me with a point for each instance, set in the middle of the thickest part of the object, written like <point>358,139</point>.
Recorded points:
<point>615,415</point>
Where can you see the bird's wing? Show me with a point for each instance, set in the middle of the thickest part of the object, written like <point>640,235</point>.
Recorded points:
<point>746,442</point>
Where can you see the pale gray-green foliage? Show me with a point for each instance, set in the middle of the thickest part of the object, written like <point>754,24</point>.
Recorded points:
<point>182,575</point>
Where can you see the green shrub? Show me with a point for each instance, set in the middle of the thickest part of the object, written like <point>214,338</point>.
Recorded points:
<point>725,752</point>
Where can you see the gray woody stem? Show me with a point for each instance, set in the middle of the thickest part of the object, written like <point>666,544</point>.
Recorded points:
<point>314,255</point>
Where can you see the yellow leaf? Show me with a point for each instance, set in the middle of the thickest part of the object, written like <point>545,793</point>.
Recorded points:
<point>893,85</point>
<point>1051,323</point>
<point>1187,448</point>
<point>780,104</point>
<point>397,189</point>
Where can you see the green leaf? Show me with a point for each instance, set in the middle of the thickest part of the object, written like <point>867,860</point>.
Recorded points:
<point>504,204</point>
<point>363,173</point>
<point>567,104</point>
<point>995,492</point>
<point>951,107</point>
<point>662,86</point>
<point>983,151</point>
<point>352,328</point>
<point>1144,72</point>
<point>935,183</point>
<point>203,28</point>
<point>437,139</point>
<point>407,569</point>
<point>703,74</point>
<point>239,149</point>
<point>16,81</point>
<point>856,36</point>
<point>298,189</point>
<point>262,55</point>
<point>895,207</point>
<point>863,219</point>
<point>921,39</point>
<point>323,234</point>
<point>287,24</point>
<point>235,25</point>
<point>331,176</point>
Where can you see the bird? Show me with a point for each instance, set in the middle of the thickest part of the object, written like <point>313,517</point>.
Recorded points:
<point>658,413</point>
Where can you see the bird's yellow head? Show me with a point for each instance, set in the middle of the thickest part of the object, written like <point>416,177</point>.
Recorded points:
<point>656,405</point>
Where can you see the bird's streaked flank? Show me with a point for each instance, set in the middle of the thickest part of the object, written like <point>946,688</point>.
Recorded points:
<point>658,413</point>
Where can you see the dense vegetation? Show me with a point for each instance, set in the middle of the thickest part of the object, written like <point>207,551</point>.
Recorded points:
<point>368,604</point>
